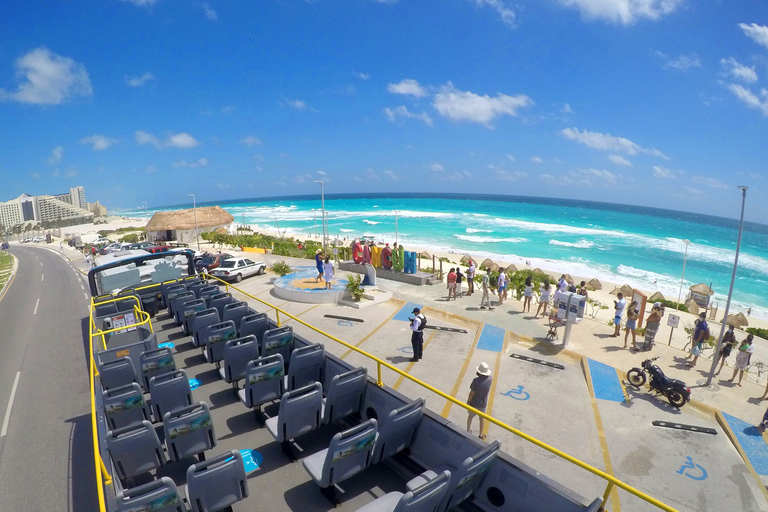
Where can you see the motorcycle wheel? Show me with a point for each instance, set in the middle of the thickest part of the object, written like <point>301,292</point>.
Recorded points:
<point>676,398</point>
<point>636,377</point>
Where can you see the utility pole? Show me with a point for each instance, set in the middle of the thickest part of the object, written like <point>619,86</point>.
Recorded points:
<point>197,232</point>
<point>322,204</point>
<point>679,294</point>
<point>147,214</point>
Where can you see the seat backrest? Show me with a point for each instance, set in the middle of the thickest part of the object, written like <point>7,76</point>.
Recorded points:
<point>278,341</point>
<point>306,366</point>
<point>155,362</point>
<point>188,311</point>
<point>220,300</point>
<point>208,291</point>
<point>300,411</point>
<point>201,320</point>
<point>188,431</point>
<point>169,391</point>
<point>349,453</point>
<point>264,380</point>
<point>216,336</point>
<point>468,476</point>
<point>256,324</point>
<point>135,449</point>
<point>124,406</point>
<point>171,290</point>
<point>184,304</point>
<point>217,483</point>
<point>345,395</point>
<point>427,497</point>
<point>116,373</point>
<point>398,430</point>
<point>132,350</point>
<point>235,311</point>
<point>237,354</point>
<point>179,299</point>
<point>158,496</point>
<point>105,309</point>
<point>195,288</point>
<point>128,302</point>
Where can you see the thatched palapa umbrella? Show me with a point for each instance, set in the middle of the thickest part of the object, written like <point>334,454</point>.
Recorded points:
<point>423,254</point>
<point>466,259</point>
<point>594,284</point>
<point>511,268</point>
<point>656,297</point>
<point>626,290</point>
<point>737,320</point>
<point>568,279</point>
<point>488,263</point>
<point>702,289</point>
<point>537,270</point>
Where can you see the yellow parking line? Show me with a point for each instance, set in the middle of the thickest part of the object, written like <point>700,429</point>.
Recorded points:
<point>410,365</point>
<point>365,338</point>
<point>299,314</point>
<point>460,378</point>
<point>496,366</point>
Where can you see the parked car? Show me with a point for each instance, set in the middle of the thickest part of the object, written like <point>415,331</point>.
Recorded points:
<point>157,248</point>
<point>114,247</point>
<point>141,245</point>
<point>235,269</point>
<point>211,261</point>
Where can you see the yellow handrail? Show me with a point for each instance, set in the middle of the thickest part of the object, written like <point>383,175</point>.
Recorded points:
<point>98,463</point>
<point>612,480</point>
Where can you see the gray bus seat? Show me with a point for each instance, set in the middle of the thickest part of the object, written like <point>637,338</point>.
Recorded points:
<point>116,373</point>
<point>263,381</point>
<point>256,324</point>
<point>176,301</point>
<point>464,480</point>
<point>157,496</point>
<point>200,321</point>
<point>132,350</point>
<point>237,354</point>
<point>208,291</point>
<point>170,292</point>
<point>155,362</point>
<point>179,308</point>
<point>124,406</point>
<point>195,288</point>
<point>188,431</point>
<point>220,300</point>
<point>215,338</point>
<point>135,450</point>
<point>235,311</point>
<point>345,395</point>
<point>348,454</point>
<point>187,314</point>
<point>217,483</point>
<point>105,309</point>
<point>278,341</point>
<point>128,302</point>
<point>168,392</point>
<point>164,287</point>
<point>299,414</point>
<point>306,366</point>
<point>426,498</point>
<point>398,430</point>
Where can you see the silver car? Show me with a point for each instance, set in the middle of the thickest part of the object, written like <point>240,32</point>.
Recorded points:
<point>235,269</point>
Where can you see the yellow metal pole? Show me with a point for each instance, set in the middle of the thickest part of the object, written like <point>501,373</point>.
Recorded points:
<point>607,494</point>
<point>105,473</point>
<point>379,382</point>
<point>277,312</point>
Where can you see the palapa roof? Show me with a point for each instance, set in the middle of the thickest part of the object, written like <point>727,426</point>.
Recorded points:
<point>207,217</point>
<point>656,297</point>
<point>488,263</point>
<point>511,268</point>
<point>738,320</point>
<point>702,288</point>
<point>466,259</point>
<point>595,284</point>
<point>424,254</point>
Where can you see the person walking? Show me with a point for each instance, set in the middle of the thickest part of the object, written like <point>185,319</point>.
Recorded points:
<point>742,359</point>
<point>618,306</point>
<point>631,325</point>
<point>471,278</point>
<point>319,264</point>
<point>452,283</point>
<point>501,286</point>
<point>478,396</point>
<point>700,335</point>
<point>652,327</point>
<point>328,272</point>
<point>89,261</point>
<point>459,280</point>
<point>418,322</point>
<point>546,291</point>
<point>729,343</point>
<point>528,294</point>
<point>485,284</point>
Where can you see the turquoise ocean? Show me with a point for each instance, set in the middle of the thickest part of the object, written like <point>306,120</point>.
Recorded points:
<point>640,246</point>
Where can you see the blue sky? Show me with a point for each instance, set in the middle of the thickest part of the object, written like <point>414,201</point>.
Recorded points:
<point>650,102</point>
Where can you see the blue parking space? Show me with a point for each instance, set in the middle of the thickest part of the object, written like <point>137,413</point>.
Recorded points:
<point>605,381</point>
<point>751,441</point>
<point>406,312</point>
<point>492,338</point>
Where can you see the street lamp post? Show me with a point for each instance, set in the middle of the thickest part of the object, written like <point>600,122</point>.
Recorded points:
<point>682,278</point>
<point>194,208</point>
<point>147,214</point>
<point>730,290</point>
<point>322,204</point>
<point>396,212</point>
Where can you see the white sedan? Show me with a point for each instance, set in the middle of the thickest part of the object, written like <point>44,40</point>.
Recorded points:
<point>235,269</point>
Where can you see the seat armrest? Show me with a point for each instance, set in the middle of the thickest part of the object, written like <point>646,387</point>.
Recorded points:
<point>420,480</point>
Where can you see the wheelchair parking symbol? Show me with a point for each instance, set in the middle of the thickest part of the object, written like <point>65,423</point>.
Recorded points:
<point>345,323</point>
<point>407,350</point>
<point>518,393</point>
<point>697,473</point>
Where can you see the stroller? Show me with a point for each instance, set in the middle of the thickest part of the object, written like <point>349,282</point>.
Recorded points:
<point>554,323</point>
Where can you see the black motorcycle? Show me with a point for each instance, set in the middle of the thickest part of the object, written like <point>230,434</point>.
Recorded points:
<point>675,390</point>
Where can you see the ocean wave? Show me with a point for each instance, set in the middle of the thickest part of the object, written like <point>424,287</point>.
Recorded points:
<point>581,244</point>
<point>488,240</point>
<point>473,230</point>
<point>371,222</point>
<point>347,230</point>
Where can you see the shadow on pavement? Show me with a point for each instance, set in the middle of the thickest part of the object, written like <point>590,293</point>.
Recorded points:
<point>81,465</point>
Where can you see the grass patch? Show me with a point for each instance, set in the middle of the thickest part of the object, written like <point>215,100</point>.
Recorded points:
<point>6,264</point>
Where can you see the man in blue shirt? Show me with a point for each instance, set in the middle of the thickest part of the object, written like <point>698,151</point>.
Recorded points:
<point>418,323</point>
<point>700,336</point>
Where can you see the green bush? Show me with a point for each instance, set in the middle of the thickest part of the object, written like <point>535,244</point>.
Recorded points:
<point>281,268</point>
<point>354,288</point>
<point>517,281</point>
<point>759,332</point>
<point>673,305</point>
<point>131,238</point>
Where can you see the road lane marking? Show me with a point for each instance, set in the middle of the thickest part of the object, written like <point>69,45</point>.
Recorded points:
<point>85,295</point>
<point>36,304</point>
<point>82,287</point>
<point>10,405</point>
<point>42,277</point>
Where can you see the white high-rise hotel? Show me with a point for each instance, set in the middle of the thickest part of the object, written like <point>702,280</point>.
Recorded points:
<point>45,208</point>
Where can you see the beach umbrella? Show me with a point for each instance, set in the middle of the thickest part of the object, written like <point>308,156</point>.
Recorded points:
<point>702,289</point>
<point>488,263</point>
<point>615,291</point>
<point>626,290</point>
<point>656,297</point>
<point>737,320</point>
<point>594,284</point>
<point>568,279</point>
<point>424,254</point>
<point>466,259</point>
<point>537,270</point>
<point>511,268</point>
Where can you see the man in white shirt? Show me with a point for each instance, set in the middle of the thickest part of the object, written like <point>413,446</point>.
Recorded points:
<point>418,322</point>
<point>471,278</point>
<point>486,299</point>
<point>619,306</point>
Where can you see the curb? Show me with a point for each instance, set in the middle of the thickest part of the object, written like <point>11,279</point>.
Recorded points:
<point>14,269</point>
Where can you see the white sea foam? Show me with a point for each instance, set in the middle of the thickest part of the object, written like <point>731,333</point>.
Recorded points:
<point>581,244</point>
<point>371,222</point>
<point>473,230</point>
<point>347,230</point>
<point>489,240</point>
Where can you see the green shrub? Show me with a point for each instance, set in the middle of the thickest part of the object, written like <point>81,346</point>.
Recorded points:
<point>131,238</point>
<point>281,268</point>
<point>354,288</point>
<point>673,305</point>
<point>517,281</point>
<point>759,332</point>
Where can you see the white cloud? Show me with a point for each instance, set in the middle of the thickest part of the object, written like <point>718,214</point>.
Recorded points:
<point>504,175</point>
<point>361,76</point>
<point>663,172</point>
<point>710,182</point>
<point>401,111</point>
<point>209,12</point>
<point>607,142</point>
<point>751,99</point>
<point>457,176</point>
<point>228,109</point>
<point>183,163</point>
<point>739,71</point>
<point>323,176</point>
<point>757,33</point>
<point>755,176</point>
<point>566,109</point>
<point>138,81</point>
<point>178,140</point>
<point>693,191</point>
<point>56,154</point>
<point>511,158</point>
<point>582,177</point>
<point>409,87</point>
<point>35,175</point>
<point>295,104</point>
<point>259,158</point>
<point>391,175</point>
<point>141,3</point>
<point>625,12</point>
<point>620,160</point>
<point>71,172</point>
<point>683,62</point>
<point>468,106</point>
<point>507,14</point>
<point>46,78</point>
<point>548,178</point>
<point>222,186</point>
<point>99,142</point>
<point>536,160</point>
<point>150,169</point>
<point>436,167</point>
<point>250,141</point>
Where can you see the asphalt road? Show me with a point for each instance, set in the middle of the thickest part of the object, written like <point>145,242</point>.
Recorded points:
<point>46,455</point>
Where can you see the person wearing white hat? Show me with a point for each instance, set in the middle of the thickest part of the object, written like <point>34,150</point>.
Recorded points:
<point>319,264</point>
<point>478,396</point>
